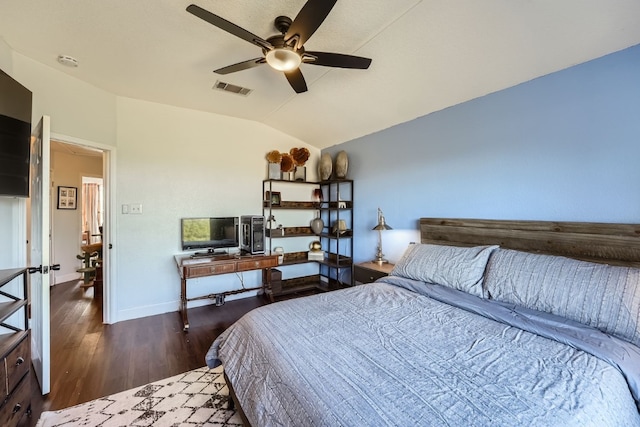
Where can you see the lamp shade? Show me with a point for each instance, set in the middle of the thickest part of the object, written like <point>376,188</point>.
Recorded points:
<point>382,224</point>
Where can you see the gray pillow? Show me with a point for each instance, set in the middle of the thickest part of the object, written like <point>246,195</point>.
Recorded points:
<point>603,296</point>
<point>452,266</point>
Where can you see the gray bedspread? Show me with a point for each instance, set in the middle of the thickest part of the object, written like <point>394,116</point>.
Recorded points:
<point>384,354</point>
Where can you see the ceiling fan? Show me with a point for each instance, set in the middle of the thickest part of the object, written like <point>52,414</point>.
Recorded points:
<point>285,52</point>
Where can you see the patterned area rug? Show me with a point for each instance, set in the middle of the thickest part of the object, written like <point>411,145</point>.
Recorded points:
<point>195,398</point>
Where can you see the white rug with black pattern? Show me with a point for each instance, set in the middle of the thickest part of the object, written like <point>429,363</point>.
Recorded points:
<point>195,398</point>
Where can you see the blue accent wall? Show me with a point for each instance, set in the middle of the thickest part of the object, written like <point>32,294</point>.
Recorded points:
<point>562,147</point>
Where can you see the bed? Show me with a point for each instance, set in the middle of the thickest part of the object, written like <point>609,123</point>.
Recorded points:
<point>484,323</point>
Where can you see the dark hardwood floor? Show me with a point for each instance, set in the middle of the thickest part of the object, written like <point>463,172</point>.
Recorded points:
<point>90,359</point>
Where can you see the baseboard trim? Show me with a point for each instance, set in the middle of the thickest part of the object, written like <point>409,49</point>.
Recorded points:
<point>62,278</point>
<point>168,307</point>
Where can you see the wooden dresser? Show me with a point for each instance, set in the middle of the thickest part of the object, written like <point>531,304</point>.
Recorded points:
<point>15,350</point>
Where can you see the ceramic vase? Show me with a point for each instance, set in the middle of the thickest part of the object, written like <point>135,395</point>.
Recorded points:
<point>325,167</point>
<point>317,224</point>
<point>342,164</point>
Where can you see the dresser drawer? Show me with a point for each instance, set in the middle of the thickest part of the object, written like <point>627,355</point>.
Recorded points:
<point>255,264</point>
<point>18,361</point>
<point>16,405</point>
<point>210,269</point>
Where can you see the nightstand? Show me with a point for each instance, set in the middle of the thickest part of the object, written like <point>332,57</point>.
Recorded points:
<point>368,272</point>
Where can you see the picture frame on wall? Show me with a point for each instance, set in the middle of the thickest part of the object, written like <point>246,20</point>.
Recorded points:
<point>67,197</point>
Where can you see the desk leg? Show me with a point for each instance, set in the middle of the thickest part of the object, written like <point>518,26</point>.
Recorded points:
<point>183,305</point>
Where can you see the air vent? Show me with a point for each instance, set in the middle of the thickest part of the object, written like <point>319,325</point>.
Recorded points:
<point>228,87</point>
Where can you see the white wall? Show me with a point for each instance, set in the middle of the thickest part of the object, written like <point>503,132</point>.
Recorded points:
<point>182,163</point>
<point>175,162</point>
<point>67,171</point>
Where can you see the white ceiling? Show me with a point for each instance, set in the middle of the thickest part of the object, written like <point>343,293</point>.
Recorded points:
<point>427,54</point>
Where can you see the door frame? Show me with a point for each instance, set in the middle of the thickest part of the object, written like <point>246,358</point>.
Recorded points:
<point>110,220</point>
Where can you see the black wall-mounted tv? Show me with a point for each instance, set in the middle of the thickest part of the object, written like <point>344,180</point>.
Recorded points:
<point>15,137</point>
<point>210,233</point>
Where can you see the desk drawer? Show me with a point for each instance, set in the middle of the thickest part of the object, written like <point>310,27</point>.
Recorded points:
<point>255,264</point>
<point>208,270</point>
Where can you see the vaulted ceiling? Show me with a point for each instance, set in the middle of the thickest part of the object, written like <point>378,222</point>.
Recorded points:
<point>427,54</point>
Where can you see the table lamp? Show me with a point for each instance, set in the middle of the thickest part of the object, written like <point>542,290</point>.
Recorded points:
<point>382,225</point>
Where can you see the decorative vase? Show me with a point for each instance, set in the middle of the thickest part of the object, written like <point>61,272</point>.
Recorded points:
<point>300,173</point>
<point>325,167</point>
<point>287,175</point>
<point>342,164</point>
<point>274,170</point>
<point>317,224</point>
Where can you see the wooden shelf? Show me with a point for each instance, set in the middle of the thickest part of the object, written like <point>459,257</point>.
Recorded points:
<point>290,232</point>
<point>292,205</point>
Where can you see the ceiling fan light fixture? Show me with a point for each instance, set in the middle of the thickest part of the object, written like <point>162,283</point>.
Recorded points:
<point>283,59</point>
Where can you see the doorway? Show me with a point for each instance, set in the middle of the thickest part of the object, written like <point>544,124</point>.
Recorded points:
<point>74,163</point>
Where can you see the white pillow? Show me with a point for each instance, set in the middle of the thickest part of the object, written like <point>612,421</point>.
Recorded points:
<point>452,266</point>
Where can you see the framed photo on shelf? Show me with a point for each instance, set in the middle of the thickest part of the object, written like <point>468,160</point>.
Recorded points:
<point>273,197</point>
<point>67,197</point>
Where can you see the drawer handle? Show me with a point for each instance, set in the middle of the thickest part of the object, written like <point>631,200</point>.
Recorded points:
<point>20,360</point>
<point>17,408</point>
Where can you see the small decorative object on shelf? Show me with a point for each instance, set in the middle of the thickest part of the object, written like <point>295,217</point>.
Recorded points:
<point>339,226</point>
<point>271,222</point>
<point>287,167</point>
<point>273,158</point>
<point>315,251</point>
<point>317,224</point>
<point>317,197</point>
<point>279,250</point>
<point>300,157</point>
<point>342,164</point>
<point>272,197</point>
<point>325,166</point>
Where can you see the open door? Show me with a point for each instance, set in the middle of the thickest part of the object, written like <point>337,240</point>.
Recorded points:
<point>39,238</point>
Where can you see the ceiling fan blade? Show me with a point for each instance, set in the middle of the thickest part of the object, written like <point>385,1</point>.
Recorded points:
<point>296,80</point>
<point>228,26</point>
<point>312,14</point>
<point>337,60</point>
<point>244,65</point>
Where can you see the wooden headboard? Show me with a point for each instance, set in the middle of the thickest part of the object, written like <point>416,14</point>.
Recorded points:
<point>617,244</point>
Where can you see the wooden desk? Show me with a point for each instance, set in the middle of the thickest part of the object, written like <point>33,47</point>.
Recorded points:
<point>190,268</point>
